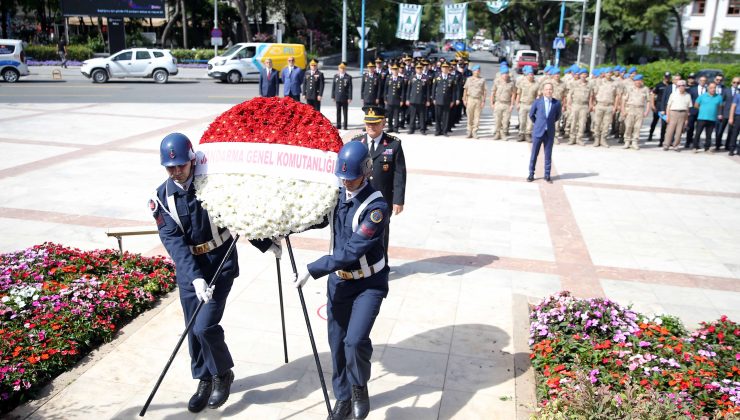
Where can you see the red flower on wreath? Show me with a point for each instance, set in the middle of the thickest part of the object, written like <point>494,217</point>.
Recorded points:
<point>274,120</point>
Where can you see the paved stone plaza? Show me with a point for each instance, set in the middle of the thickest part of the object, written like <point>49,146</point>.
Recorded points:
<point>475,244</point>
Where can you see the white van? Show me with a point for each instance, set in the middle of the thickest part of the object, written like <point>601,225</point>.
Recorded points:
<point>12,60</point>
<point>245,60</point>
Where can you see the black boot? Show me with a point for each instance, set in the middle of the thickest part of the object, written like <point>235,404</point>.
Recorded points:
<point>221,389</point>
<point>360,402</point>
<point>199,400</point>
<point>342,410</point>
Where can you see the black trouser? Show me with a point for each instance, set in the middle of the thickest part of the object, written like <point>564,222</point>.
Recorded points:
<point>296,97</point>
<point>391,112</point>
<point>442,115</point>
<point>342,108</point>
<point>403,114</point>
<point>419,110</point>
<point>732,136</point>
<point>703,125</point>
<point>719,130</point>
<point>657,118</point>
<point>316,104</point>
<point>690,128</point>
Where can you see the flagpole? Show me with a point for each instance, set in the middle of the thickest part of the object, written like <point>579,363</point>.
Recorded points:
<point>362,37</point>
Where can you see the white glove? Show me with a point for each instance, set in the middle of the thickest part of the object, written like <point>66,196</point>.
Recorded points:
<point>276,248</point>
<point>202,291</point>
<point>301,278</point>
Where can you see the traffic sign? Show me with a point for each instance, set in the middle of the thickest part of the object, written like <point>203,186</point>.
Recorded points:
<point>217,41</point>
<point>558,43</point>
<point>364,46</point>
<point>359,30</point>
<point>216,33</point>
<point>702,50</point>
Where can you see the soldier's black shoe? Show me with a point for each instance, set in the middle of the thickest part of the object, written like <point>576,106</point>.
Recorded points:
<point>342,410</point>
<point>221,389</point>
<point>360,402</point>
<point>199,400</point>
<point>548,179</point>
<point>530,178</point>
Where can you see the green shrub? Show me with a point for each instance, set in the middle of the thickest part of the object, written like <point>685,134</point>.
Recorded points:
<point>41,52</point>
<point>96,44</point>
<point>204,54</point>
<point>653,72</point>
<point>182,54</point>
<point>79,52</point>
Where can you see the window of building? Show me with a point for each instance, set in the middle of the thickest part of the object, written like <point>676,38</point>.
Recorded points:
<point>698,6</point>
<point>693,40</point>
<point>733,8</point>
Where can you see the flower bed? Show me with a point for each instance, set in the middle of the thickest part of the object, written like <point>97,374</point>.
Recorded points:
<point>612,351</point>
<point>57,304</point>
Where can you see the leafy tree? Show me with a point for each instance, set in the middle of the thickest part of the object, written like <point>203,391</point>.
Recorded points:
<point>723,43</point>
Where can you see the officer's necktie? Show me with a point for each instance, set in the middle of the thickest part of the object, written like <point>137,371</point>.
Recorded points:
<point>372,146</point>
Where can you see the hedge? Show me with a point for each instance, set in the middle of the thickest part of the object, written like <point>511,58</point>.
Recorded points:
<point>183,55</point>
<point>49,52</point>
<point>653,72</point>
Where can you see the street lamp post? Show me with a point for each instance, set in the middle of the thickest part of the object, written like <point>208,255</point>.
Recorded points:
<point>362,37</point>
<point>560,32</point>
<point>580,35</point>
<point>595,40</point>
<point>215,24</point>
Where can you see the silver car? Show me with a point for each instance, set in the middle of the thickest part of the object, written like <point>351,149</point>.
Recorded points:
<point>135,62</point>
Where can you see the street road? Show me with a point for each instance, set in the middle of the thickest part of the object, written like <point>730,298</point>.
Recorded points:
<point>189,86</point>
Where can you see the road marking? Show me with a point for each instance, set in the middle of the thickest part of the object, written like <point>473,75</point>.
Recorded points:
<point>59,85</point>
<point>226,97</point>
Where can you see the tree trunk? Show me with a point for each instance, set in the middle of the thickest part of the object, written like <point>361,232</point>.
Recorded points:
<point>664,41</point>
<point>243,7</point>
<point>679,28</point>
<point>184,25</point>
<point>172,21</point>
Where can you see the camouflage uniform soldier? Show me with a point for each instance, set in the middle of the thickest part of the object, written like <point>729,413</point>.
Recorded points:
<point>474,96</point>
<point>526,93</point>
<point>635,107</point>
<point>502,101</point>
<point>579,96</point>
<point>605,98</point>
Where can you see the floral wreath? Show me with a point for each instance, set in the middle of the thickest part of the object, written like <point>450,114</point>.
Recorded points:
<point>265,168</point>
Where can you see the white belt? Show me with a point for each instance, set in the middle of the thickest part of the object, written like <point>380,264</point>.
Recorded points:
<point>358,274</point>
<point>210,245</point>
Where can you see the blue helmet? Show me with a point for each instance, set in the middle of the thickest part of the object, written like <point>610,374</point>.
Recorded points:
<point>353,161</point>
<point>176,149</point>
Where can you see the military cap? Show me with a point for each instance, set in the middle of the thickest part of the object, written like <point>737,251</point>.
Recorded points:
<point>313,62</point>
<point>342,65</point>
<point>394,66</point>
<point>373,114</point>
<point>453,61</point>
<point>606,70</point>
<point>425,62</point>
<point>527,70</point>
<point>475,67</point>
<point>418,66</point>
<point>667,74</point>
<point>554,70</point>
<point>638,77</point>
<point>371,64</point>
<point>692,76</point>
<point>547,68</point>
<point>583,71</point>
<point>632,70</point>
<point>444,64</point>
<point>378,60</point>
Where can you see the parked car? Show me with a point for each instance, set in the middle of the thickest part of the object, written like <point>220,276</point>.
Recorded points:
<point>423,50</point>
<point>448,56</point>
<point>390,55</point>
<point>135,62</point>
<point>524,58</point>
<point>12,60</point>
<point>710,74</point>
<point>244,60</point>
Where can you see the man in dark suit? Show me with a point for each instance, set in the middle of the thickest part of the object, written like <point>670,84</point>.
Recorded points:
<point>544,113</point>
<point>292,78</point>
<point>395,90</point>
<point>726,94</point>
<point>341,92</point>
<point>417,99</point>
<point>269,80</point>
<point>389,163</point>
<point>695,92</point>
<point>313,86</point>
<point>658,91</point>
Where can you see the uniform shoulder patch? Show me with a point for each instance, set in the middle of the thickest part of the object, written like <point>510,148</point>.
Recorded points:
<point>153,205</point>
<point>358,137</point>
<point>376,216</point>
<point>393,138</point>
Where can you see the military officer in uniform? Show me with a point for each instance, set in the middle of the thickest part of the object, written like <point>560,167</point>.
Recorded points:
<point>370,86</point>
<point>197,246</point>
<point>474,97</point>
<point>503,97</point>
<point>341,92</point>
<point>635,106</point>
<point>444,98</point>
<point>388,163</point>
<point>417,99</point>
<point>358,280</point>
<point>526,93</point>
<point>394,89</point>
<point>604,103</point>
<point>313,86</point>
<point>579,97</point>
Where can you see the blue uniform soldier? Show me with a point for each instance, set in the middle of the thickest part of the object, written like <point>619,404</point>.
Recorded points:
<point>197,246</point>
<point>358,279</point>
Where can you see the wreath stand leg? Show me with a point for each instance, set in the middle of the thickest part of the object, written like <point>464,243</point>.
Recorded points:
<point>282,313</point>
<point>310,332</point>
